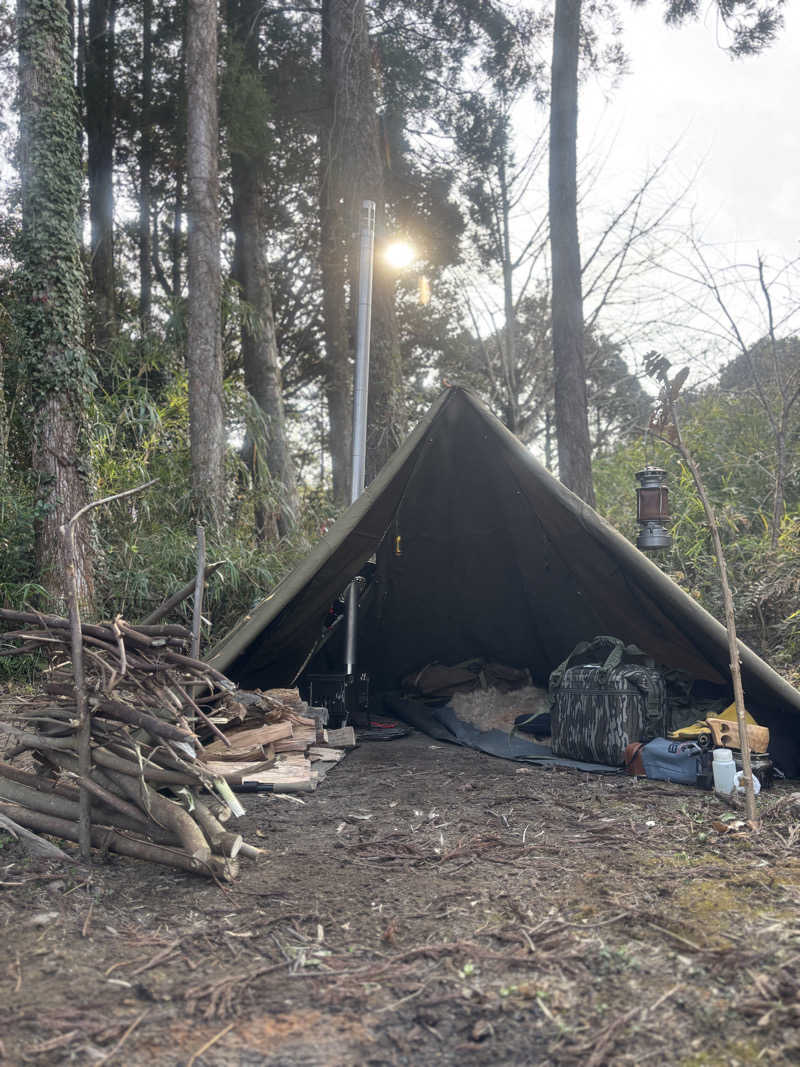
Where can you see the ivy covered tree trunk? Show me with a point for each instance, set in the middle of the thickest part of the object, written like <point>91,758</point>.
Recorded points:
<point>99,104</point>
<point>571,407</point>
<point>204,347</point>
<point>3,420</point>
<point>353,171</point>
<point>50,284</point>
<point>267,450</point>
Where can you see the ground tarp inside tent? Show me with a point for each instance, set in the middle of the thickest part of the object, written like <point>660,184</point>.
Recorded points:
<point>479,551</point>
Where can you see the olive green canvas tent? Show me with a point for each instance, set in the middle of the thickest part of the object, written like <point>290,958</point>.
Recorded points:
<point>479,551</point>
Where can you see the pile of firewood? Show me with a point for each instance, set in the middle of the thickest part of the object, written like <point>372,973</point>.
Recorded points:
<point>157,722</point>
<point>274,742</point>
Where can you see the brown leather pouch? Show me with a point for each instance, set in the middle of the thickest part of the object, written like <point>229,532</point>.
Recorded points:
<point>633,760</point>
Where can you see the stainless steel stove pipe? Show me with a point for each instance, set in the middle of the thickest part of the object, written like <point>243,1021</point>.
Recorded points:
<point>360,394</point>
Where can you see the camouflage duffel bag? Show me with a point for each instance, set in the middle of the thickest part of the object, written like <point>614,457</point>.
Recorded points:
<point>599,708</point>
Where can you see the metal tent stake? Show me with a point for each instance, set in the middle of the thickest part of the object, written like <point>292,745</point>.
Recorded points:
<point>360,392</point>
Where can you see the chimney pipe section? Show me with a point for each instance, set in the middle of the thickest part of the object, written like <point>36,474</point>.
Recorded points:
<point>360,395</point>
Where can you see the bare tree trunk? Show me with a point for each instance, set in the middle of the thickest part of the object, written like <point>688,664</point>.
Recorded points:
<point>145,169</point>
<point>352,171</point>
<point>50,283</point>
<point>509,340</point>
<point>778,496</point>
<point>386,420</point>
<point>176,240</point>
<point>259,344</point>
<point>204,349</point>
<point>572,427</point>
<point>99,99</point>
<point>334,242</point>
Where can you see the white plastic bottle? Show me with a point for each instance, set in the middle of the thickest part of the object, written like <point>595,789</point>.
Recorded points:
<point>724,770</point>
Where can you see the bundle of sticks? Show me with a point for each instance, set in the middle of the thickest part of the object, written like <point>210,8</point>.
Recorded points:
<point>148,708</point>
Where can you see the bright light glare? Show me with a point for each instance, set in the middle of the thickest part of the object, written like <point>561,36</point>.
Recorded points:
<point>399,254</point>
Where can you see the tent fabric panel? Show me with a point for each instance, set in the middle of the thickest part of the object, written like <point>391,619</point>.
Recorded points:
<point>682,632</point>
<point>358,520</point>
<point>498,559</point>
<point>291,633</point>
<point>476,567</point>
<point>434,600</point>
<point>506,572</point>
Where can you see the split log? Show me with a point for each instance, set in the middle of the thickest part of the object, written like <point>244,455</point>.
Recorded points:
<point>232,771</point>
<point>323,752</point>
<point>344,737</point>
<point>275,697</point>
<point>289,773</point>
<point>248,744</point>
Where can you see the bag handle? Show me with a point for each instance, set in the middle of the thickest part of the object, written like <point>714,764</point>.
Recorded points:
<point>618,651</point>
<point>581,649</point>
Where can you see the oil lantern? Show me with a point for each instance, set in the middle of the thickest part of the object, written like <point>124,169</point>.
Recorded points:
<point>652,509</point>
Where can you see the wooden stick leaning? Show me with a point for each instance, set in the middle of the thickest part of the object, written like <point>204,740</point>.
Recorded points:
<point>67,533</point>
<point>178,597</point>
<point>199,581</point>
<point>670,392</point>
<point>84,714</point>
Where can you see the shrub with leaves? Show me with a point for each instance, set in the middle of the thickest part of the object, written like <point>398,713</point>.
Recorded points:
<point>730,442</point>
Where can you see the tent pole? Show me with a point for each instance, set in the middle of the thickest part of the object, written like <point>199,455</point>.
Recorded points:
<point>360,392</point>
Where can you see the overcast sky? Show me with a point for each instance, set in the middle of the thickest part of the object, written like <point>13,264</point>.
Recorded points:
<point>736,138</point>
<point>736,119</point>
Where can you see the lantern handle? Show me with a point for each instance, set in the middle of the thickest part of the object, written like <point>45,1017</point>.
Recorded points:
<point>646,437</point>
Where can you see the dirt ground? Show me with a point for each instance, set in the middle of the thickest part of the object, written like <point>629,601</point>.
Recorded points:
<point>428,904</point>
